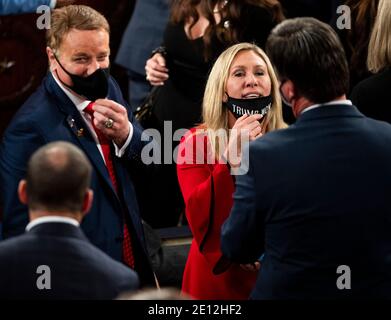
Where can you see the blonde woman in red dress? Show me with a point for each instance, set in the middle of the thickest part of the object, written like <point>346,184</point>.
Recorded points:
<point>242,94</point>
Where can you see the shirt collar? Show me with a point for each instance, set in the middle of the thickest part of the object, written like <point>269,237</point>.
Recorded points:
<point>314,106</point>
<point>47,219</point>
<point>79,102</point>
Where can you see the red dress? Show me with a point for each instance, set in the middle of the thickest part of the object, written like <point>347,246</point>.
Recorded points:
<point>207,189</point>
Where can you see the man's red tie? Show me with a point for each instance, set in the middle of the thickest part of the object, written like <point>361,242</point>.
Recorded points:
<point>127,250</point>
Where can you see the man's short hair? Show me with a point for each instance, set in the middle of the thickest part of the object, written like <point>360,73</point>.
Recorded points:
<point>309,53</point>
<point>58,176</point>
<point>73,17</point>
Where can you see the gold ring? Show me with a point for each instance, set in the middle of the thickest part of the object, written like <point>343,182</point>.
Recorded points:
<point>109,123</point>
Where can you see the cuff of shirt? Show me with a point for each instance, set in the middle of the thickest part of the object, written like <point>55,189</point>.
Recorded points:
<point>53,3</point>
<point>120,152</point>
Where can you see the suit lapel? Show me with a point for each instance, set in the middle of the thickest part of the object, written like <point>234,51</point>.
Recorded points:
<point>80,130</point>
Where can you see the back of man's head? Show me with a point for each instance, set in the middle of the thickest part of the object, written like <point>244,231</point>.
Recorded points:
<point>58,177</point>
<point>309,53</point>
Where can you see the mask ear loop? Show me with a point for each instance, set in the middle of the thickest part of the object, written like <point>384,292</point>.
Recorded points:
<point>225,97</point>
<point>58,61</point>
<point>68,73</point>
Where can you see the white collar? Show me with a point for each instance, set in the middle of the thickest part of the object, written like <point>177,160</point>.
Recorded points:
<point>47,219</point>
<point>79,102</point>
<point>314,106</point>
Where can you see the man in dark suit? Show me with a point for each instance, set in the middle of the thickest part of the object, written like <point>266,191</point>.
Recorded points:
<point>80,103</point>
<point>143,34</point>
<point>54,259</point>
<point>315,199</point>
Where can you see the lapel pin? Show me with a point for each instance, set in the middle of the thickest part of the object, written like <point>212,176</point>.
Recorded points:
<point>71,122</point>
<point>80,132</point>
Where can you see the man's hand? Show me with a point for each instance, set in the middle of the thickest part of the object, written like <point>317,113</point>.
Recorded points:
<point>63,3</point>
<point>105,109</point>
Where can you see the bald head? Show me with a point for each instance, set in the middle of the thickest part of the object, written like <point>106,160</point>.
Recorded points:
<point>58,177</point>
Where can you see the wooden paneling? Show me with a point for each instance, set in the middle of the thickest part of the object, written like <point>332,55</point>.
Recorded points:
<point>23,62</point>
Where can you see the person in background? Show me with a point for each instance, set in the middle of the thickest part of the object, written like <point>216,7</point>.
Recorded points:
<point>198,31</point>
<point>311,202</point>
<point>143,34</point>
<point>356,39</point>
<point>371,95</point>
<point>196,35</point>
<point>8,7</point>
<point>241,98</point>
<point>54,248</point>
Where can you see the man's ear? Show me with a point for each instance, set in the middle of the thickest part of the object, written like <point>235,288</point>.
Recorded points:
<point>290,90</point>
<point>22,191</point>
<point>87,202</point>
<point>51,58</point>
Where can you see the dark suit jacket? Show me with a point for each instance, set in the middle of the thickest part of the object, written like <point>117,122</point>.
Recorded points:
<point>48,115</point>
<point>78,270</point>
<point>371,96</point>
<point>143,34</point>
<point>316,196</point>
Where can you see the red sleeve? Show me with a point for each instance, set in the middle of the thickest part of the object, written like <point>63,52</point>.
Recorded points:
<point>201,183</point>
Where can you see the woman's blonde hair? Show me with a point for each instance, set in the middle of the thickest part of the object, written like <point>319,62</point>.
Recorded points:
<point>215,115</point>
<point>379,49</point>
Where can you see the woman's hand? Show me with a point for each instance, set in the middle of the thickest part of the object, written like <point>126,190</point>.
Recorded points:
<point>156,70</point>
<point>246,128</point>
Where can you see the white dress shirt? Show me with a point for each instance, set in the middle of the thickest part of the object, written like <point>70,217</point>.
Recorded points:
<point>314,106</point>
<point>47,219</point>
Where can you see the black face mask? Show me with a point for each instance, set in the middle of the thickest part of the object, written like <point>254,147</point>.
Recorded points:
<point>239,107</point>
<point>93,87</point>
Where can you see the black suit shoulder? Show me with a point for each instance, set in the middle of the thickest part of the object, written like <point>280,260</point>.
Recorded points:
<point>328,123</point>
<point>78,269</point>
